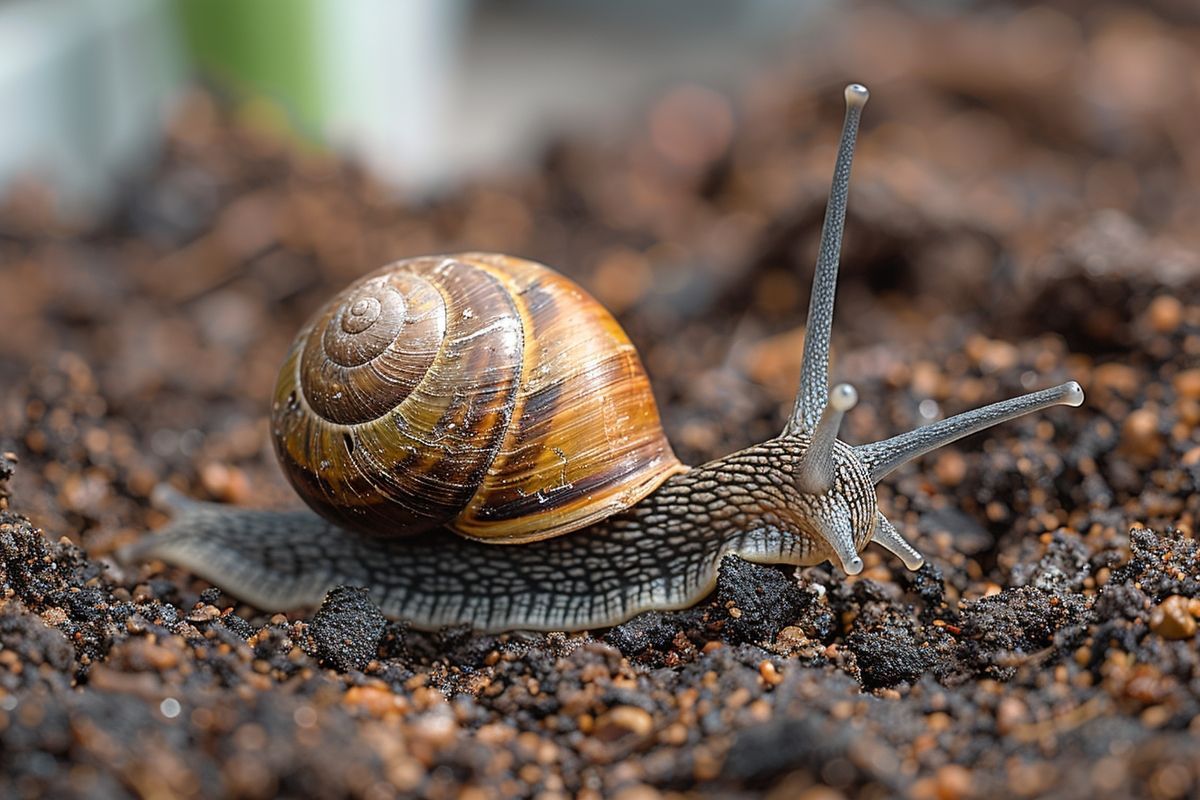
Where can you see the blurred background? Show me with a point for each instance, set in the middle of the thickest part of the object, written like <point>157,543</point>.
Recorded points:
<point>427,94</point>
<point>424,93</point>
<point>182,183</point>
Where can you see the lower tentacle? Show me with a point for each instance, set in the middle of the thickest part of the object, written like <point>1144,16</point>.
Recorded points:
<point>888,537</point>
<point>834,522</point>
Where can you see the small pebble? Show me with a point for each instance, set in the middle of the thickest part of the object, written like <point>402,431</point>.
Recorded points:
<point>1165,313</point>
<point>950,468</point>
<point>952,782</point>
<point>1010,713</point>
<point>1139,433</point>
<point>1187,384</point>
<point>640,792</point>
<point>770,674</point>
<point>622,721</point>
<point>169,708</point>
<point>1172,619</point>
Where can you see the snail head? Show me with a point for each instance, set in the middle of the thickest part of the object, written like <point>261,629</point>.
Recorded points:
<point>836,481</point>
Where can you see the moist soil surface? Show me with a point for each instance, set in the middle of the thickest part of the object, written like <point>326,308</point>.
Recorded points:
<point>1015,221</point>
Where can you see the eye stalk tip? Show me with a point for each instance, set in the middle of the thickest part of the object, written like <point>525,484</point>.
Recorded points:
<point>857,95</point>
<point>853,565</point>
<point>1072,394</point>
<point>843,397</point>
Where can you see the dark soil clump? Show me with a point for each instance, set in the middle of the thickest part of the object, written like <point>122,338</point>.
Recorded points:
<point>346,629</point>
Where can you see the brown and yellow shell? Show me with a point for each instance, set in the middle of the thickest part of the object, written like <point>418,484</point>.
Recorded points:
<point>482,392</point>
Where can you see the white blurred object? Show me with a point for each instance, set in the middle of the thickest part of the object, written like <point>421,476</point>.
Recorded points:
<point>532,69</point>
<point>83,85</point>
<point>385,71</point>
<point>425,93</point>
<point>429,93</point>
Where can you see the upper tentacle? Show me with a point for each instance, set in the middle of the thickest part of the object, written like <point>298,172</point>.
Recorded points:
<point>814,370</point>
<point>882,457</point>
<point>817,463</point>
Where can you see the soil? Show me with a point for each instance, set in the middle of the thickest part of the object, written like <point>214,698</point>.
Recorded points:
<point>1022,213</point>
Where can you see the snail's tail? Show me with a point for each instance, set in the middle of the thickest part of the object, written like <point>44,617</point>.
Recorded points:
<point>255,555</point>
<point>165,498</point>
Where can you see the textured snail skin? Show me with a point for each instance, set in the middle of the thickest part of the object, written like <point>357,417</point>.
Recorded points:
<point>649,534</point>
<point>663,553</point>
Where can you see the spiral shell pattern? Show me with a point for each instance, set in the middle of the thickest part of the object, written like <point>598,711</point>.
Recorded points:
<point>482,392</point>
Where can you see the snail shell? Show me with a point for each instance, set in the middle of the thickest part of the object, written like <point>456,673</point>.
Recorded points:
<point>481,392</point>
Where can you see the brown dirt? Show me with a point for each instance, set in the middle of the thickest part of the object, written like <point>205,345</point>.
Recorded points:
<point>1042,228</point>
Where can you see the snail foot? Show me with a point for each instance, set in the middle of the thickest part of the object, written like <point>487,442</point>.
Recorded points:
<point>168,499</point>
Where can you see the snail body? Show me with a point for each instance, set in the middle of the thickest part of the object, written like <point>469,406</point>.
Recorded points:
<point>661,553</point>
<point>443,406</point>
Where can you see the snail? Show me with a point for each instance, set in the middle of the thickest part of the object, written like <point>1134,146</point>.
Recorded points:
<point>478,444</point>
